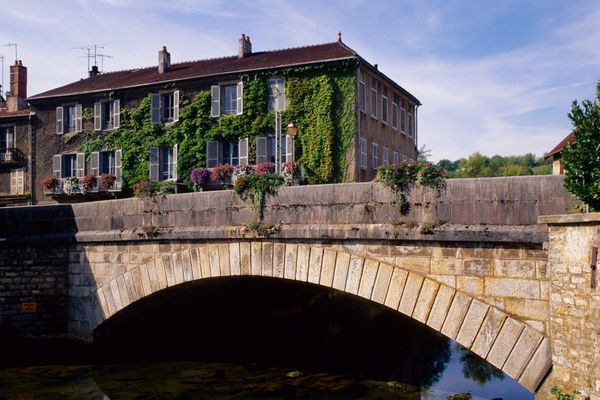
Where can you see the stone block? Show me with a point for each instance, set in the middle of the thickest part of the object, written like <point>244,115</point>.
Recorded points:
<point>522,352</point>
<point>267,259</point>
<point>382,282</point>
<point>447,280</point>
<point>367,280</point>
<point>515,268</point>
<point>103,303</point>
<point>116,297</point>
<point>410,293</point>
<point>328,267</point>
<point>224,263</point>
<point>538,366</point>
<point>478,267</point>
<point>302,263</point>
<point>506,340</point>
<point>354,273</point>
<point>177,267</point>
<point>488,332</point>
<point>130,287</point>
<point>527,309</point>
<point>420,265</point>
<point>245,256</point>
<point>342,263</point>
<point>213,259</point>
<point>234,259</point>
<point>169,270</point>
<point>123,291</point>
<point>425,301</point>
<point>470,284</point>
<point>186,266</point>
<point>291,253</point>
<point>256,259</point>
<point>446,266</point>
<point>472,323</point>
<point>145,280</point>
<point>204,258</point>
<point>397,283</point>
<point>314,264</point>
<point>509,287</point>
<point>440,307</point>
<point>278,259</point>
<point>456,314</point>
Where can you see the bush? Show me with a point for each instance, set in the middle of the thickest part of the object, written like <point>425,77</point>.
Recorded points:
<point>582,164</point>
<point>143,189</point>
<point>256,187</point>
<point>241,170</point>
<point>200,177</point>
<point>107,181</point>
<point>222,173</point>
<point>265,168</point>
<point>291,171</point>
<point>50,183</point>
<point>88,183</point>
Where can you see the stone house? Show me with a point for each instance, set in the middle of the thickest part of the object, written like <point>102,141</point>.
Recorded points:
<point>15,141</point>
<point>351,118</point>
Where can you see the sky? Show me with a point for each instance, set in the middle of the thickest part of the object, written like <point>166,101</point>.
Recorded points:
<point>494,76</point>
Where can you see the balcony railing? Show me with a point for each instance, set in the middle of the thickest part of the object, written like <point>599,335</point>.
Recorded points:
<point>11,156</point>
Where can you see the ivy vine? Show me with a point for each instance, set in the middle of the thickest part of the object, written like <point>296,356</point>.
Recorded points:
<point>321,101</point>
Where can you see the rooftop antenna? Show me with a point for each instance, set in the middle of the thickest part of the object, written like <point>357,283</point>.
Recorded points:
<point>91,52</point>
<point>15,46</point>
<point>2,86</point>
<point>102,57</point>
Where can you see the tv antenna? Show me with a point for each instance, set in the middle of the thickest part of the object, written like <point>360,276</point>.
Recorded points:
<point>2,86</point>
<point>91,53</point>
<point>15,46</point>
<point>102,57</point>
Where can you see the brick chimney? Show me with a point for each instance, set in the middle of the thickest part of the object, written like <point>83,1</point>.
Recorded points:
<point>164,60</point>
<point>15,100</point>
<point>94,71</point>
<point>245,48</point>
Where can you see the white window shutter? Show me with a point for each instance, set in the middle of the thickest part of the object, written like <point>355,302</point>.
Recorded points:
<point>57,165</point>
<point>240,97</point>
<point>289,148</point>
<point>175,148</point>
<point>212,153</point>
<point>155,108</point>
<point>243,151</point>
<point>94,163</point>
<point>176,105</point>
<point>59,120</point>
<point>97,116</point>
<point>154,163</point>
<point>118,170</point>
<point>78,118</point>
<point>261,149</point>
<point>117,114</point>
<point>80,165</point>
<point>215,104</point>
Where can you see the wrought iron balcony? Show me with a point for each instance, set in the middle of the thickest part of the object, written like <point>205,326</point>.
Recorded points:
<point>11,156</point>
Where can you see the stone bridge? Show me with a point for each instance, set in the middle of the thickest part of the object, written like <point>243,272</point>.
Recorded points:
<point>470,262</point>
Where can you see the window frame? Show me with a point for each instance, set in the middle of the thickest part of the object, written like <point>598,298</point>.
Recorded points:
<point>384,109</point>
<point>411,125</point>
<point>374,103</point>
<point>157,106</point>
<point>402,120</point>
<point>216,98</point>
<point>385,156</point>
<point>364,160</point>
<point>395,157</point>
<point>62,122</point>
<point>374,155</point>
<point>394,116</point>
<point>101,123</point>
<point>17,181</point>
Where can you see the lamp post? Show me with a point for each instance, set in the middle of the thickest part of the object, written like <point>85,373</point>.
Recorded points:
<point>292,131</point>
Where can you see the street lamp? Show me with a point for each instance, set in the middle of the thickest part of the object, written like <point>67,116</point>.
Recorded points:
<point>292,131</point>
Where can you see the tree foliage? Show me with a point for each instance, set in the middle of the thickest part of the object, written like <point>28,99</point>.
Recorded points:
<point>478,165</point>
<point>582,158</point>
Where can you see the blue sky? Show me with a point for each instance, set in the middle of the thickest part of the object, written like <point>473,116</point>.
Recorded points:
<point>493,76</point>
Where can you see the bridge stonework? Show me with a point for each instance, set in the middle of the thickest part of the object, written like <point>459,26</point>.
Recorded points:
<point>470,262</point>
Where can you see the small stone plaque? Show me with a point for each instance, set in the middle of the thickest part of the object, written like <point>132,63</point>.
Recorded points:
<point>29,308</point>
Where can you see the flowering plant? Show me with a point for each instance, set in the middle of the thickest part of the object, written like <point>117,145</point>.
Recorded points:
<point>88,183</point>
<point>222,173</point>
<point>200,177</point>
<point>265,168</point>
<point>432,175</point>
<point>71,186</point>
<point>241,170</point>
<point>290,171</point>
<point>143,189</point>
<point>107,181</point>
<point>50,183</point>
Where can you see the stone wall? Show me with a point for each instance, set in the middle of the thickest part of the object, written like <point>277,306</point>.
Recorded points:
<point>574,304</point>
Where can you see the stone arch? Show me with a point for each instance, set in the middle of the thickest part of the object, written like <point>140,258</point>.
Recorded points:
<point>509,344</point>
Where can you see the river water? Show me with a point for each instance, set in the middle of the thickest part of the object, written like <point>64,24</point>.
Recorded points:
<point>253,339</point>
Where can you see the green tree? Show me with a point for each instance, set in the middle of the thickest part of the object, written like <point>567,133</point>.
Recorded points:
<point>582,158</point>
<point>423,154</point>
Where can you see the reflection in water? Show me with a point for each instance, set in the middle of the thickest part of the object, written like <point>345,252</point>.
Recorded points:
<point>253,338</point>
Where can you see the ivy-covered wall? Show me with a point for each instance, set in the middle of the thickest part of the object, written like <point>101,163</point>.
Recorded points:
<point>321,101</point>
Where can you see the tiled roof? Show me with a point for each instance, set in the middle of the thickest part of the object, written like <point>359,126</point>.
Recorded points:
<point>4,113</point>
<point>558,148</point>
<point>203,68</point>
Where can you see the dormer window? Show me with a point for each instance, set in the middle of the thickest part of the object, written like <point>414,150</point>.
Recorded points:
<point>165,107</point>
<point>107,115</point>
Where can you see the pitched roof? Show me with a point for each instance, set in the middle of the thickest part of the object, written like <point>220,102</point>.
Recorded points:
<point>558,148</point>
<point>4,113</point>
<point>203,68</point>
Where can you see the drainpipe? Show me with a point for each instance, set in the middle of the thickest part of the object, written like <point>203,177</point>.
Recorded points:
<point>30,162</point>
<point>417,128</point>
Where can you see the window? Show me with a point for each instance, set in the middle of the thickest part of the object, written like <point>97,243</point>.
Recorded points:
<point>226,99</point>
<point>276,90</point>
<point>395,158</point>
<point>385,156</point>
<point>165,107</point>
<point>404,158</point>
<point>265,148</point>
<point>107,115</point>
<point>69,165</point>
<point>411,125</point>
<point>107,162</point>
<point>68,118</point>
<point>362,96</point>
<point>374,155</point>
<point>394,115</point>
<point>221,152</point>
<point>7,143</point>
<point>402,120</point>
<point>384,110</point>
<point>374,103</point>
<point>363,153</point>
<point>17,181</point>
<point>163,163</point>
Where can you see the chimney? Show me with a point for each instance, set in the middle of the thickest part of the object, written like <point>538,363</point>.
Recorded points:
<point>94,71</point>
<point>164,60</point>
<point>18,87</point>
<point>245,48</point>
